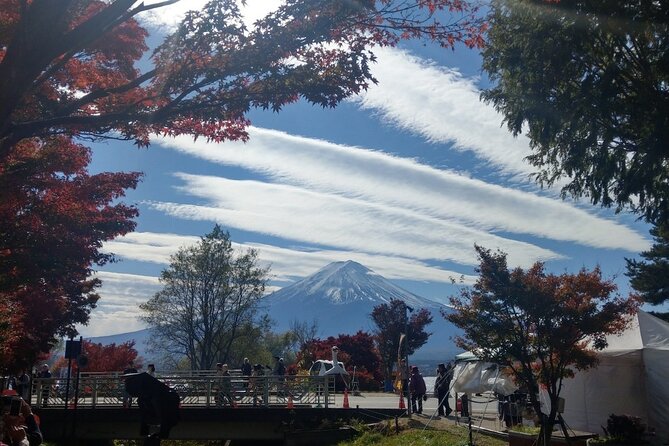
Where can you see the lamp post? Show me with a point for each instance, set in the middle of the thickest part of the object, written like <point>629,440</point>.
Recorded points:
<point>407,310</point>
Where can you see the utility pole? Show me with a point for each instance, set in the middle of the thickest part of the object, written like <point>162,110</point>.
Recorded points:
<point>407,310</point>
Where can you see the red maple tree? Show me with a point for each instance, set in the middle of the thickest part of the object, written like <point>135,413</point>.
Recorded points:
<point>540,326</point>
<point>358,350</point>
<point>54,217</point>
<point>105,357</point>
<point>69,66</point>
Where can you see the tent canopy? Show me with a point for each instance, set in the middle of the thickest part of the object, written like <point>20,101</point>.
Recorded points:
<point>632,378</point>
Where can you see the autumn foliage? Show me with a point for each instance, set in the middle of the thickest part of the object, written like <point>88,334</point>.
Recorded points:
<point>541,326</point>
<point>104,357</point>
<point>54,217</point>
<point>393,319</point>
<point>69,66</point>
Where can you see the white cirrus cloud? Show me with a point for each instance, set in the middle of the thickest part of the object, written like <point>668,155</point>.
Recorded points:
<point>379,178</point>
<point>287,264</point>
<point>117,310</point>
<point>319,218</point>
<point>170,16</point>
<point>443,106</point>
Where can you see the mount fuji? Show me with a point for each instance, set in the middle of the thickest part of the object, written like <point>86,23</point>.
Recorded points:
<point>340,298</point>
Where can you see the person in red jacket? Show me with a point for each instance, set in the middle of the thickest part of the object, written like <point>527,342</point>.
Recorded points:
<point>417,390</point>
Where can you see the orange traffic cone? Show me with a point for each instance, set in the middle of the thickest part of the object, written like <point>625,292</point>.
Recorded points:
<point>346,406</point>
<point>402,406</point>
<point>290,402</point>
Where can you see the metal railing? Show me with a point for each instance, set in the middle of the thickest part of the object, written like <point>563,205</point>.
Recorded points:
<point>202,390</point>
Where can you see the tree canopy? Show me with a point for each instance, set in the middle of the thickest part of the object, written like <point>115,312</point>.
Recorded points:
<point>68,67</point>
<point>392,320</point>
<point>540,326</point>
<point>588,80</point>
<point>105,357</point>
<point>54,217</point>
<point>650,277</point>
<point>210,293</point>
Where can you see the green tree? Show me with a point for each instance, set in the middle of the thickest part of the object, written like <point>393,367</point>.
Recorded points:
<point>541,326</point>
<point>589,82</point>
<point>258,342</point>
<point>651,276</point>
<point>210,293</point>
<point>392,320</point>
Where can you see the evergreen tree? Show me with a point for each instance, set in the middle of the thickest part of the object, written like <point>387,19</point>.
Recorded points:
<point>588,80</point>
<point>651,277</point>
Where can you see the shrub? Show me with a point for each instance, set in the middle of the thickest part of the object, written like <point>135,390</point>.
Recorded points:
<point>625,429</point>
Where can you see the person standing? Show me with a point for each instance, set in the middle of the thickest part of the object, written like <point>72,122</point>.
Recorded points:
<point>247,370</point>
<point>127,399</point>
<point>417,390</point>
<point>255,381</point>
<point>23,385</point>
<point>441,388</point>
<point>45,377</point>
<point>224,385</point>
<point>280,372</point>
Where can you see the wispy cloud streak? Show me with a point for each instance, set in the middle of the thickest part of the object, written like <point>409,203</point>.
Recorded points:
<point>117,310</point>
<point>343,222</point>
<point>443,106</point>
<point>287,264</point>
<point>385,180</point>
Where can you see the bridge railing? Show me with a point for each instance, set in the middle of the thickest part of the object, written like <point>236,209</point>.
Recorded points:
<point>203,390</point>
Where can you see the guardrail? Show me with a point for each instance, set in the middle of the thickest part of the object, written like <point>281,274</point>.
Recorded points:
<point>203,390</point>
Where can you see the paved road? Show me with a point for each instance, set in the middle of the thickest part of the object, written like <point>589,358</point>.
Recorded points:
<point>480,405</point>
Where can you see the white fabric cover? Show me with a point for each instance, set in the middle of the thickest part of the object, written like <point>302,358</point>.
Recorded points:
<point>473,376</point>
<point>632,378</point>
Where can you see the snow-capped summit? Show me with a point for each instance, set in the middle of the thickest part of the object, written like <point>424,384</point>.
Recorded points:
<point>344,283</point>
<point>341,297</point>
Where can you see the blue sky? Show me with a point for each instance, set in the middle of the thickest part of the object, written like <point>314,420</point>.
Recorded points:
<point>404,179</point>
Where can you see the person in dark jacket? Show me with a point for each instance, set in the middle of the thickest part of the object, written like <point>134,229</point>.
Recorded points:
<point>417,390</point>
<point>441,388</point>
<point>127,399</point>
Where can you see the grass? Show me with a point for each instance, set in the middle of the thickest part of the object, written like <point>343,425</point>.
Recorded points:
<point>415,436</point>
<point>526,429</point>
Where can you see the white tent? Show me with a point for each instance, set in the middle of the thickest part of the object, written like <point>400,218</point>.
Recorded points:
<point>632,378</point>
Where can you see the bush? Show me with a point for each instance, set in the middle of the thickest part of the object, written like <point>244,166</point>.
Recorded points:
<point>625,429</point>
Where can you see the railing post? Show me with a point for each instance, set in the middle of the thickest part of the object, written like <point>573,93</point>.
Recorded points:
<point>326,387</point>
<point>265,389</point>
<point>209,387</point>
<point>94,395</point>
<point>38,399</point>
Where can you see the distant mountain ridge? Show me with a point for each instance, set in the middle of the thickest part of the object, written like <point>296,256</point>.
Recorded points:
<point>340,297</point>
<point>341,283</point>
